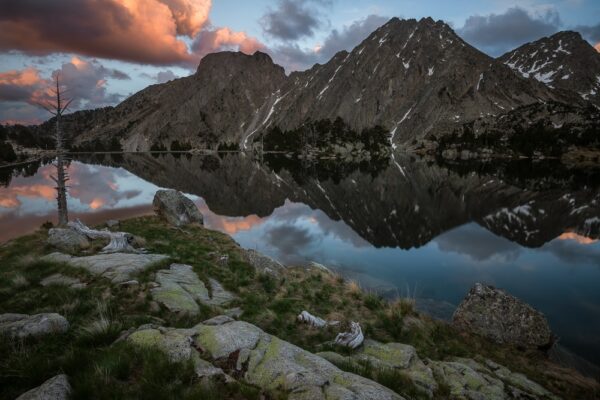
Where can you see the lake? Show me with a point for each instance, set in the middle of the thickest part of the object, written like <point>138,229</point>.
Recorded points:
<point>401,227</point>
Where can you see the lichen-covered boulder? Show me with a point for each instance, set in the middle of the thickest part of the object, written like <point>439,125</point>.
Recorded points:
<point>22,325</point>
<point>394,356</point>
<point>497,315</point>
<point>180,290</point>
<point>175,208</point>
<point>57,388</point>
<point>67,240</point>
<point>262,360</point>
<point>473,380</point>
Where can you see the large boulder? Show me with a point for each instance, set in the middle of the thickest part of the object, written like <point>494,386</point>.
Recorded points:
<point>57,388</point>
<point>503,318</point>
<point>67,240</point>
<point>22,325</point>
<point>262,360</point>
<point>175,208</point>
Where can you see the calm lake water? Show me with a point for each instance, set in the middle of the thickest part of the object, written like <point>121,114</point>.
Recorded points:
<point>403,227</point>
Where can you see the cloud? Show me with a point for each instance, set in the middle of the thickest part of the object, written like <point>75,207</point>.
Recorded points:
<point>295,58</point>
<point>496,34</point>
<point>292,20</point>
<point>165,76</point>
<point>489,246</point>
<point>84,81</point>
<point>218,39</point>
<point>590,33</point>
<point>141,31</point>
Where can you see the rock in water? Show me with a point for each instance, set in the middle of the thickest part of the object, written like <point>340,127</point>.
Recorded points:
<point>57,388</point>
<point>22,326</point>
<point>67,240</point>
<point>503,318</point>
<point>175,208</point>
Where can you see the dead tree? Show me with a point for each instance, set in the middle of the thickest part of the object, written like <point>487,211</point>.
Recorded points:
<point>57,106</point>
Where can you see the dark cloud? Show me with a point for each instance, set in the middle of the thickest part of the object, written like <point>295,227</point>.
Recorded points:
<point>350,36</point>
<point>477,243</point>
<point>120,75</point>
<point>572,252</point>
<point>591,33</point>
<point>288,239</point>
<point>292,19</point>
<point>496,34</point>
<point>165,76</point>
<point>295,58</point>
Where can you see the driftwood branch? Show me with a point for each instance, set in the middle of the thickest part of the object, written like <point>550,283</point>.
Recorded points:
<point>120,242</point>
<point>351,339</point>
<point>315,321</point>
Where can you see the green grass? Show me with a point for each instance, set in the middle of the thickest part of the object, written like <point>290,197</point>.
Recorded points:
<point>100,312</point>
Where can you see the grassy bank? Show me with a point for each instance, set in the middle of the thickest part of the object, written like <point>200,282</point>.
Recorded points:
<point>97,368</point>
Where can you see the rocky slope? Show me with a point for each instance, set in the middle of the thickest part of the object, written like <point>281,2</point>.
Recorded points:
<point>411,77</point>
<point>563,61</point>
<point>159,332</point>
<point>415,79</point>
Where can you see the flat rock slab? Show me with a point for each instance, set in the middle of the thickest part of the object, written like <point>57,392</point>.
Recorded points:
<point>394,356</point>
<point>62,280</point>
<point>57,388</point>
<point>180,290</point>
<point>261,360</point>
<point>469,379</point>
<point>118,267</point>
<point>22,325</point>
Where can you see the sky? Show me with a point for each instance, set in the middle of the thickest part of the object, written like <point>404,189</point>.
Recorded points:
<point>106,50</point>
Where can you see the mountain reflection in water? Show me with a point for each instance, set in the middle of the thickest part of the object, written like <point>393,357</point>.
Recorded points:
<point>397,227</point>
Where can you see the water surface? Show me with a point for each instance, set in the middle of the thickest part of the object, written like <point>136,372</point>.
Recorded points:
<point>405,227</point>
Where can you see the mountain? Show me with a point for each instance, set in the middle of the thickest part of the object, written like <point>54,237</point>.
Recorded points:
<point>411,77</point>
<point>563,61</point>
<point>415,79</point>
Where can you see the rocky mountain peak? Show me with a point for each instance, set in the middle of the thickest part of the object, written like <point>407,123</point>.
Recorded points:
<point>562,61</point>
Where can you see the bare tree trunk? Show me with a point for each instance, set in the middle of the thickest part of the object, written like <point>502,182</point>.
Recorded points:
<point>61,178</point>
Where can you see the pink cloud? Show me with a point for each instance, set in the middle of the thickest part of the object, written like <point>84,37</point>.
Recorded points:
<point>143,31</point>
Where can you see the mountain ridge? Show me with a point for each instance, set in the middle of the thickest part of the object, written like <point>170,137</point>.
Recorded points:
<point>416,79</point>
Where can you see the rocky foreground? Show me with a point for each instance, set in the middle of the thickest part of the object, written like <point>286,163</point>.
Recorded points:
<point>186,313</point>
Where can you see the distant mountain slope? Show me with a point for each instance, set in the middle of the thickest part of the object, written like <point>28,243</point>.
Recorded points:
<point>564,61</point>
<point>409,76</point>
<point>416,79</point>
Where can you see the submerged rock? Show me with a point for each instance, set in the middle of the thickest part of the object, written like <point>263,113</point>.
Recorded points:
<point>180,290</point>
<point>252,355</point>
<point>22,325</point>
<point>175,208</point>
<point>57,388</point>
<point>67,240</point>
<point>118,267</point>
<point>497,315</point>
